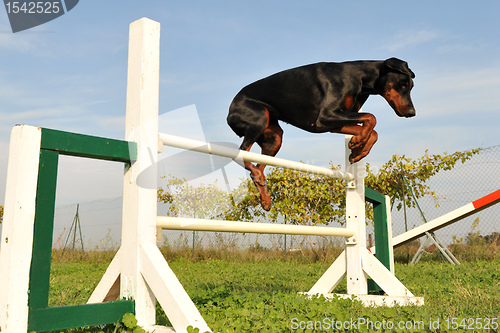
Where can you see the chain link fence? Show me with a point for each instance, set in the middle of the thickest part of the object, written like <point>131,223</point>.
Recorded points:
<point>457,187</point>
<point>461,185</point>
<point>477,177</point>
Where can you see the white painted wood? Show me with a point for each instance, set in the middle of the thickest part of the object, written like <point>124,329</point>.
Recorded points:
<point>179,223</point>
<point>172,297</point>
<point>143,271</point>
<point>435,224</point>
<point>108,280</point>
<point>389,232</point>
<point>331,278</point>
<point>236,154</point>
<point>141,126</point>
<point>17,227</point>
<point>158,329</point>
<point>382,276</point>
<point>357,282</point>
<point>159,234</point>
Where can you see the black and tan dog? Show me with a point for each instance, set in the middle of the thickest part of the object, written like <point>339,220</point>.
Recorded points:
<point>322,97</point>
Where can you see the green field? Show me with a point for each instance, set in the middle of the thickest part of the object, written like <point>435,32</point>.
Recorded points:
<point>260,295</point>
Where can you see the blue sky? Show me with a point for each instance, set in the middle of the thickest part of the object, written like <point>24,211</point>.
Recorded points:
<point>70,73</point>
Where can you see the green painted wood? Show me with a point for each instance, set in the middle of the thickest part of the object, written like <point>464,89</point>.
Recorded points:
<point>380,230</point>
<point>43,230</point>
<point>380,226</point>
<point>41,317</point>
<point>58,318</point>
<point>81,145</point>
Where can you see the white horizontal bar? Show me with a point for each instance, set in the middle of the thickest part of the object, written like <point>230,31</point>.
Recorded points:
<point>179,223</point>
<point>448,218</point>
<point>237,154</point>
<point>435,224</point>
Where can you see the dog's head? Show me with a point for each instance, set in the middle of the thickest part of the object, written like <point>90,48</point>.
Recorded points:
<point>394,84</point>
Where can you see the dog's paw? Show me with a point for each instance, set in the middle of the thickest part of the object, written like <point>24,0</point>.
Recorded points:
<point>265,200</point>
<point>357,155</point>
<point>354,143</point>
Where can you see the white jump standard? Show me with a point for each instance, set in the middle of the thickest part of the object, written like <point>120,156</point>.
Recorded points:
<point>139,274</point>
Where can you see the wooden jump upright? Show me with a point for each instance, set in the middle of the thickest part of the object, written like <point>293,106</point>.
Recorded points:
<point>139,276</point>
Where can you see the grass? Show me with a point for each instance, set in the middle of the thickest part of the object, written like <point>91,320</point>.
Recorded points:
<point>256,291</point>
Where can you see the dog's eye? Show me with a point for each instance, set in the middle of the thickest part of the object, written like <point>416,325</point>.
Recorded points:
<point>404,84</point>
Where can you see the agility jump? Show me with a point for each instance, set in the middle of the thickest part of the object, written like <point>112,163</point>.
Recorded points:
<point>141,127</point>
<point>139,274</point>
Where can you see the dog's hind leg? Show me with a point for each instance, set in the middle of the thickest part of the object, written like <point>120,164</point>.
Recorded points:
<point>257,175</point>
<point>270,142</point>
<point>252,121</point>
<point>248,121</point>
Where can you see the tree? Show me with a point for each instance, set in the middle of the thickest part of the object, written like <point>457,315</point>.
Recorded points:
<point>389,181</point>
<point>184,199</point>
<point>305,199</point>
<point>298,197</point>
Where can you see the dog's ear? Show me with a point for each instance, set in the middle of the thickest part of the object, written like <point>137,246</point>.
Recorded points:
<point>399,66</point>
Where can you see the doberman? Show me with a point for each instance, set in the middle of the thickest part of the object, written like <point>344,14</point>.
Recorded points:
<point>318,98</point>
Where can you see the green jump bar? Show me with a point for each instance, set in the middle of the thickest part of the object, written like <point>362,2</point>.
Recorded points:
<point>64,317</point>
<point>88,146</point>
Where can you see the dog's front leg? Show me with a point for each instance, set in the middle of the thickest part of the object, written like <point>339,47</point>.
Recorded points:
<point>361,134</point>
<point>364,136</point>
